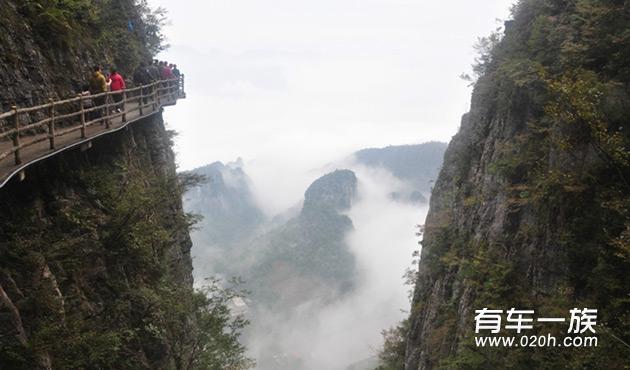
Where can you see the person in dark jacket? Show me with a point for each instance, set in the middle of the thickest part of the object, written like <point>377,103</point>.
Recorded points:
<point>154,71</point>
<point>141,77</point>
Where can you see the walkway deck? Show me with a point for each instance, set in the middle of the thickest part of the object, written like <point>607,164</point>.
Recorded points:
<point>44,139</point>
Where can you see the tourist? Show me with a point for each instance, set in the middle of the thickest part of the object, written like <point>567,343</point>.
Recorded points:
<point>98,85</point>
<point>117,84</point>
<point>141,77</point>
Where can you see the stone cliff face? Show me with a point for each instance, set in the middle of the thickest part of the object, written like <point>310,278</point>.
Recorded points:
<point>88,244</point>
<point>26,76</point>
<point>530,209</point>
<point>95,267</point>
<point>48,49</point>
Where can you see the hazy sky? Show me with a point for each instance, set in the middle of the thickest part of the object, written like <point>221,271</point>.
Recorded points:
<point>312,80</point>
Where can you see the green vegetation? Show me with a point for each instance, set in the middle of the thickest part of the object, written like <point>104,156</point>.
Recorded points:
<point>551,96</point>
<point>96,267</point>
<point>216,333</point>
<point>392,355</point>
<point>569,62</point>
<point>121,32</point>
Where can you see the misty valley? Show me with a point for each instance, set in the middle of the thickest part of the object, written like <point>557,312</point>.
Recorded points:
<point>314,185</point>
<point>324,277</point>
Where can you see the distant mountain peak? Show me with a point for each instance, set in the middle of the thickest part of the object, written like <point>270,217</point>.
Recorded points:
<point>335,191</point>
<point>417,164</point>
<point>237,164</point>
<point>226,200</point>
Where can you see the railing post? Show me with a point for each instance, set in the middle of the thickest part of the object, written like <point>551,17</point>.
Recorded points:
<point>181,88</point>
<point>124,106</point>
<point>51,124</point>
<point>141,99</point>
<point>158,92</point>
<point>153,95</point>
<point>107,101</point>
<point>16,137</point>
<point>82,115</point>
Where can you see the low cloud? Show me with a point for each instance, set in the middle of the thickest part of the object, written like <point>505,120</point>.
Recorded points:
<point>327,335</point>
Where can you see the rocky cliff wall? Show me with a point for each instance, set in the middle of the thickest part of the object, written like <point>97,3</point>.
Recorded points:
<point>48,48</point>
<point>531,206</point>
<point>94,247</point>
<point>95,267</point>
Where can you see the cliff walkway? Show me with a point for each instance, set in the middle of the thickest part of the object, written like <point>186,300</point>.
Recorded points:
<point>31,134</point>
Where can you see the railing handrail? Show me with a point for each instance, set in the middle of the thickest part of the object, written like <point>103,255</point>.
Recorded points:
<point>160,93</point>
<point>76,98</point>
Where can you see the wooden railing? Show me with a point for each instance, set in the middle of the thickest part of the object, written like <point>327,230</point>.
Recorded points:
<point>28,126</point>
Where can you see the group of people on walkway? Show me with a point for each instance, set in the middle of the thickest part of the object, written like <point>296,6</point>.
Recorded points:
<point>114,82</point>
<point>158,70</point>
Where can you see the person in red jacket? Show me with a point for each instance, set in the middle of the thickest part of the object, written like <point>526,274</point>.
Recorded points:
<point>166,71</point>
<point>116,83</point>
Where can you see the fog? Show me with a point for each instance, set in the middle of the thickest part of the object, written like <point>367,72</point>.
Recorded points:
<point>312,79</point>
<point>291,86</point>
<point>333,336</point>
<point>330,330</point>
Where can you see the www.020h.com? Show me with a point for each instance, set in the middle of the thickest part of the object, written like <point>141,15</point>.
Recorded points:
<point>536,341</point>
<point>581,321</point>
